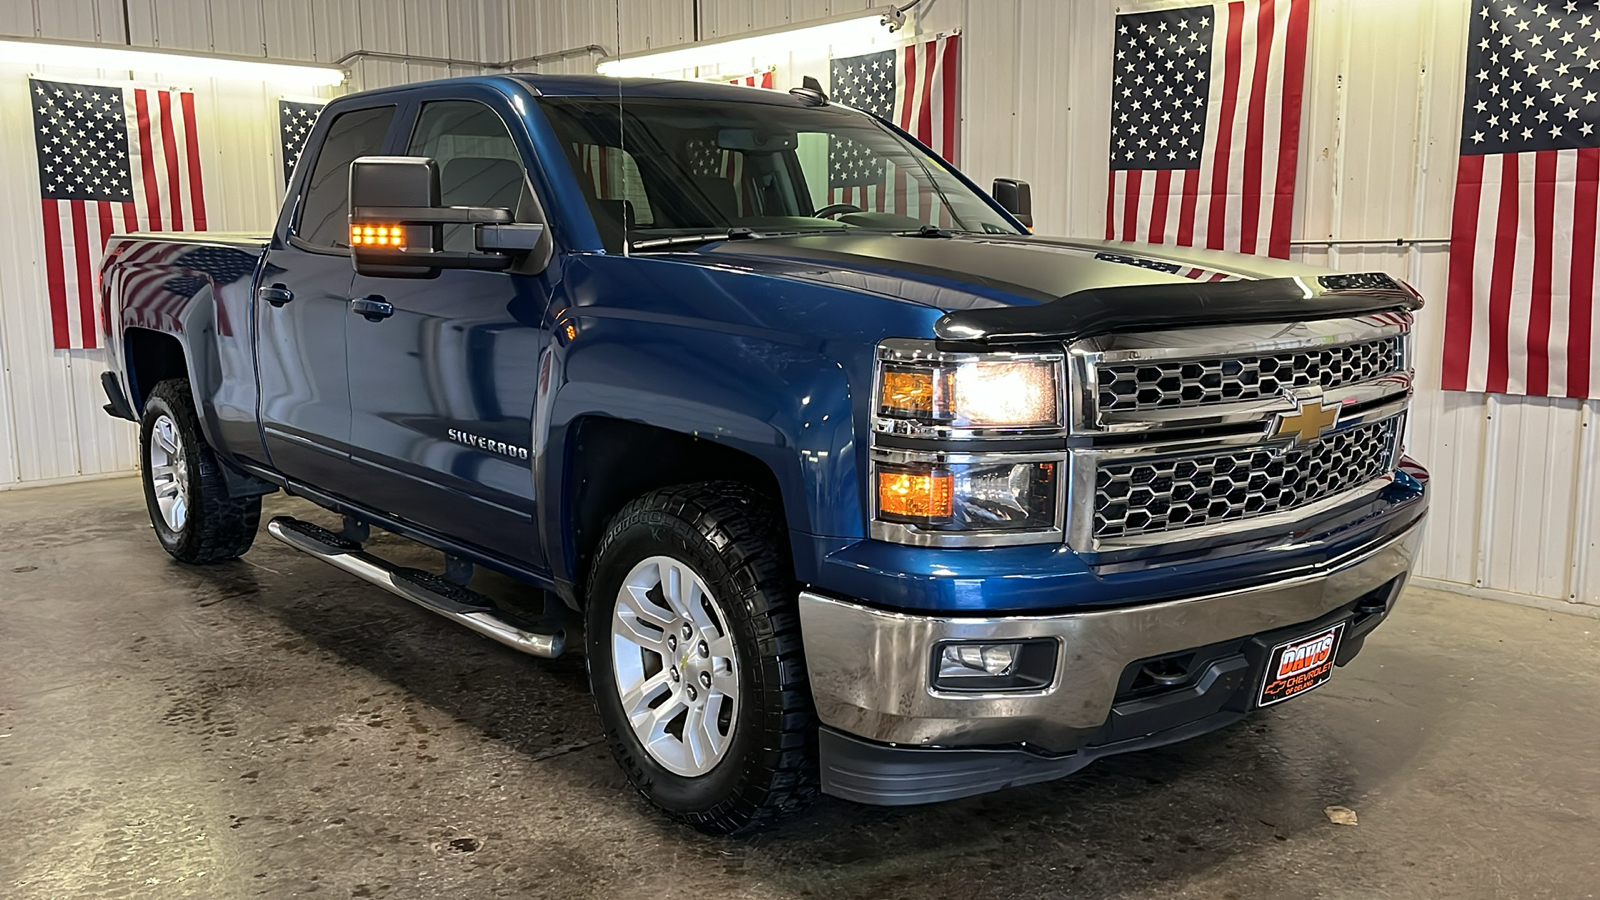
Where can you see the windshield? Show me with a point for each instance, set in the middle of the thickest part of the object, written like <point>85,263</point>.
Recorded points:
<point>702,167</point>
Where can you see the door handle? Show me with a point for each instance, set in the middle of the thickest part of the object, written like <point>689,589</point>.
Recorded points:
<point>373,308</point>
<point>277,295</point>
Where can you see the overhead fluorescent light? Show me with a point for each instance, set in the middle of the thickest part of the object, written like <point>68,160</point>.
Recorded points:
<point>165,62</point>
<point>847,37</point>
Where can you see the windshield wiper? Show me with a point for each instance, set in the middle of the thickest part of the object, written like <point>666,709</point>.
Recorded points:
<point>678,240</point>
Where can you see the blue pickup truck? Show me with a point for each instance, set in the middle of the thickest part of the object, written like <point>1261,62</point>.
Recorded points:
<point>862,489</point>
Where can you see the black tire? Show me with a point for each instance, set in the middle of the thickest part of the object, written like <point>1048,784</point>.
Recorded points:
<point>737,544</point>
<point>217,527</point>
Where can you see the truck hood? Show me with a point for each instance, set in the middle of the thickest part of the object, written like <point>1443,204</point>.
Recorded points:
<point>1003,287</point>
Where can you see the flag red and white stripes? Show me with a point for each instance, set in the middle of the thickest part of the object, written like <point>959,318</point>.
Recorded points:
<point>755,79</point>
<point>1520,310</point>
<point>111,159</point>
<point>1206,125</point>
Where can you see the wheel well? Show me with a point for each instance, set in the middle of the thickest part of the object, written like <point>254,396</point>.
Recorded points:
<point>152,357</point>
<point>614,461</point>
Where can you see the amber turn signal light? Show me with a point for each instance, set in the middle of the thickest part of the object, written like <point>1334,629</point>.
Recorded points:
<point>916,495</point>
<point>377,236</point>
<point>907,391</point>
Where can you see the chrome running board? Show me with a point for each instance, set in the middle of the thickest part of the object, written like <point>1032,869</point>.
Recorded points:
<point>427,590</point>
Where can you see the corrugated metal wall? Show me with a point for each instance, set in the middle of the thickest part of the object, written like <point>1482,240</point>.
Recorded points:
<point>1517,498</point>
<point>51,424</point>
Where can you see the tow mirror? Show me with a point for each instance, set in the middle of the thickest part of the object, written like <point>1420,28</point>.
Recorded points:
<point>1015,197</point>
<point>397,224</point>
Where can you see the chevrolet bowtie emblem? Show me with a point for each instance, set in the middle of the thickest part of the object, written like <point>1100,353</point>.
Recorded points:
<point>1309,421</point>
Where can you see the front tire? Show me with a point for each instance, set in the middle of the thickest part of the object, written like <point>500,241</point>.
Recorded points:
<point>695,657</point>
<point>194,518</point>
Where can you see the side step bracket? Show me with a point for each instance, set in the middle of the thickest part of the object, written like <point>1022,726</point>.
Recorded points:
<point>430,591</point>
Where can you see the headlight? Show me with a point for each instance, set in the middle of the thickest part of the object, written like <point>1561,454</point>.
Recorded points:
<point>943,473</point>
<point>973,393</point>
<point>969,496</point>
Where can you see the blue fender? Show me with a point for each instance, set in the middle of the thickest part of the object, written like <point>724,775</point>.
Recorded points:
<point>776,368</point>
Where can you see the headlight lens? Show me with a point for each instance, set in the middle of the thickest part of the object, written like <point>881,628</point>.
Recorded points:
<point>1006,393</point>
<point>968,497</point>
<point>997,393</point>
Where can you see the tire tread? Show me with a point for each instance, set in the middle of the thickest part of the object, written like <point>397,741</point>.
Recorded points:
<point>750,536</point>
<point>220,527</point>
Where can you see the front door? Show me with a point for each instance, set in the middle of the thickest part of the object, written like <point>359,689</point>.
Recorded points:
<point>302,309</point>
<point>442,390</point>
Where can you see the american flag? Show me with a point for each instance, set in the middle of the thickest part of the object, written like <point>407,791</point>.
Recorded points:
<point>295,119</point>
<point>1205,125</point>
<point>916,88</point>
<point>111,159</point>
<point>1520,309</point>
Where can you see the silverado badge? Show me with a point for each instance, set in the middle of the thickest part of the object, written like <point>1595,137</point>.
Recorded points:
<point>1309,421</point>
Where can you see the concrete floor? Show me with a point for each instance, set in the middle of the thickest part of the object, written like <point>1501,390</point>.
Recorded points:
<point>275,728</point>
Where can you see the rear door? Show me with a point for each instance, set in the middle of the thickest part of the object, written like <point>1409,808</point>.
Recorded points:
<point>442,391</point>
<point>302,306</point>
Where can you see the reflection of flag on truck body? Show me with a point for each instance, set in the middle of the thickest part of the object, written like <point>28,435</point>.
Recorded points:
<point>915,87</point>
<point>111,159</point>
<point>1205,125</point>
<point>1520,308</point>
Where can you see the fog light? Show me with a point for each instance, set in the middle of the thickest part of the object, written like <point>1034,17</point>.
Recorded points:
<point>963,660</point>
<point>1009,666</point>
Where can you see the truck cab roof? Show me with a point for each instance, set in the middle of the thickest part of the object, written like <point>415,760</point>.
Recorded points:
<point>602,86</point>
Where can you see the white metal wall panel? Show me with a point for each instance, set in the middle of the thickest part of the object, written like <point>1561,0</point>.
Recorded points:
<point>51,423</point>
<point>1384,107</point>
<point>289,30</point>
<point>730,18</point>
<point>335,29</point>
<point>1586,557</point>
<point>238,26</point>
<point>75,20</point>
<point>50,394</point>
<point>22,18</point>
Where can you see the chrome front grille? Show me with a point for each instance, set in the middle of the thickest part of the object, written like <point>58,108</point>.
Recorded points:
<point>1140,496</point>
<point>1215,434</point>
<point>1165,384</point>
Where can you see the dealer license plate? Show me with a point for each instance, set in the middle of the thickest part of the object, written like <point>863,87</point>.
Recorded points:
<point>1297,666</point>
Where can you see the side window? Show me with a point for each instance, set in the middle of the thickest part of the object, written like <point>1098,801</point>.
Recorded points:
<point>478,163</point>
<point>323,215</point>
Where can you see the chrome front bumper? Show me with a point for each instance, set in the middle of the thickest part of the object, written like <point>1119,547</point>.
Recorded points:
<point>871,670</point>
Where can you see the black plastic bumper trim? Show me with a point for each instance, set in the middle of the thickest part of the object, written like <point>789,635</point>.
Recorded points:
<point>883,775</point>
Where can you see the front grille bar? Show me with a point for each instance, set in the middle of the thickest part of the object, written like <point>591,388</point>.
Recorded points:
<point>1196,458</point>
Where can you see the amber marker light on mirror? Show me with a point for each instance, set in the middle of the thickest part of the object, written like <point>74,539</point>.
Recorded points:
<point>915,495</point>
<point>377,236</point>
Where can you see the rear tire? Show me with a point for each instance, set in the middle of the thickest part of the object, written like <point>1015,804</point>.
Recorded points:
<point>733,671</point>
<point>184,488</point>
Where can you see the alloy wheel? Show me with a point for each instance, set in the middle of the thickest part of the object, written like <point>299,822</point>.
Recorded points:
<point>676,669</point>
<point>169,473</point>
